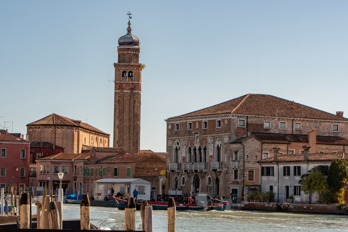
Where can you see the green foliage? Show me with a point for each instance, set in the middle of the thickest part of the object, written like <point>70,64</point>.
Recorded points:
<point>338,175</point>
<point>314,182</point>
<point>291,197</point>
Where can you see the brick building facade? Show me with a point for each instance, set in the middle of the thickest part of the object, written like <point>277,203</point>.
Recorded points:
<point>201,157</point>
<point>67,133</point>
<point>14,160</point>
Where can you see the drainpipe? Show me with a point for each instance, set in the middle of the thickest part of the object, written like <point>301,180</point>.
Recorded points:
<point>292,126</point>
<point>243,172</point>
<point>278,181</point>
<point>247,125</point>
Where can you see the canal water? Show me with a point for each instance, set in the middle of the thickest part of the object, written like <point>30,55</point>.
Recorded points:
<point>229,220</point>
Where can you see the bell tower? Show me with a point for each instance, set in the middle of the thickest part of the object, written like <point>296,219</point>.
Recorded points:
<point>127,103</point>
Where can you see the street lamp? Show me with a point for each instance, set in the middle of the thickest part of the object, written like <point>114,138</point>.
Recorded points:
<point>60,193</point>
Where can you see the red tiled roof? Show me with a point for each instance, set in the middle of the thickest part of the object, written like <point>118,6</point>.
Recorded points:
<point>58,120</point>
<point>131,157</point>
<point>67,156</point>
<point>5,136</point>
<point>300,138</point>
<point>263,105</point>
<point>311,157</point>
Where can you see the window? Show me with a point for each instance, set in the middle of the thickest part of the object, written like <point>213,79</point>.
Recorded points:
<point>218,123</point>
<point>189,125</point>
<point>246,157</point>
<point>189,153</point>
<point>267,171</point>
<point>128,171</point>
<point>209,181</point>
<point>297,190</point>
<point>286,171</point>
<point>22,155</point>
<point>297,126</point>
<point>297,170</point>
<point>3,153</point>
<point>3,171</point>
<point>235,174</point>
<point>177,126</point>
<point>65,169</point>
<point>56,169</point>
<point>115,172</point>
<point>88,172</point>
<point>241,123</point>
<point>255,158</point>
<point>251,175</point>
<point>39,155</point>
<point>235,155</point>
<point>267,125</point>
<point>183,180</point>
<point>271,188</point>
<point>291,152</point>
<point>205,124</point>
<point>92,171</point>
<point>104,171</point>
<point>265,155</point>
<point>141,189</point>
<point>335,128</point>
<point>282,125</point>
<point>22,172</point>
<point>124,73</point>
<point>44,169</point>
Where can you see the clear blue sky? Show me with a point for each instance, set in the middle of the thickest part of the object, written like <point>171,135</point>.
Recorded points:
<point>57,57</point>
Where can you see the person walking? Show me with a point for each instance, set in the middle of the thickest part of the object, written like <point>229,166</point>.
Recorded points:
<point>135,194</point>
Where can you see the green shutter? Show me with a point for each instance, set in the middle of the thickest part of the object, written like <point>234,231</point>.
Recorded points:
<point>22,172</point>
<point>104,171</point>
<point>3,171</point>
<point>115,173</point>
<point>128,171</point>
<point>92,172</point>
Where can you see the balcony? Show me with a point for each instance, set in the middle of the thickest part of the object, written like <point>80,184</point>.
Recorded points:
<point>187,167</point>
<point>199,166</point>
<point>174,167</point>
<point>216,166</point>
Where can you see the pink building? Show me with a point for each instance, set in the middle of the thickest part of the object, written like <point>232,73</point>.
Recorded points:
<point>47,169</point>
<point>14,160</point>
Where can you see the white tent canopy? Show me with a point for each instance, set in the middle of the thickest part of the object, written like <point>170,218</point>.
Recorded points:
<point>124,186</point>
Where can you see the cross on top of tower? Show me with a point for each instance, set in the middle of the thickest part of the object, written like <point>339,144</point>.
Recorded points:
<point>129,29</point>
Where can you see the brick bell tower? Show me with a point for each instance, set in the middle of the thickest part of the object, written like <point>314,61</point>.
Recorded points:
<point>127,93</point>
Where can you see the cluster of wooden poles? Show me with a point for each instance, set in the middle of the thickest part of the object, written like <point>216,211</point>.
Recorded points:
<point>50,212</point>
<point>130,215</point>
<point>14,200</point>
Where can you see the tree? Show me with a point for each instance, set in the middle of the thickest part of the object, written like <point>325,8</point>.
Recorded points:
<point>313,182</point>
<point>337,178</point>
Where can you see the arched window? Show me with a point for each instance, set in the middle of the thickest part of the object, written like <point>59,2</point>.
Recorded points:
<point>189,153</point>
<point>183,181</point>
<point>218,151</point>
<point>130,74</point>
<point>176,183</point>
<point>204,154</point>
<point>209,181</point>
<point>194,154</point>
<point>176,153</point>
<point>200,155</point>
<point>124,73</point>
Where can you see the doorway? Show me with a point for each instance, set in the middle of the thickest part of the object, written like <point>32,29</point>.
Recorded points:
<point>196,184</point>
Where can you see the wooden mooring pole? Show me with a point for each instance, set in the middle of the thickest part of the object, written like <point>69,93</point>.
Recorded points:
<point>142,212</point>
<point>38,214</point>
<point>129,212</point>
<point>45,209</point>
<point>85,223</point>
<point>60,210</point>
<point>24,217</point>
<point>148,218</point>
<point>53,216</point>
<point>171,215</point>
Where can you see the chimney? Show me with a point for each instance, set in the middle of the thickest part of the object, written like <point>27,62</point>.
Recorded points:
<point>312,141</point>
<point>276,153</point>
<point>339,114</point>
<point>306,152</point>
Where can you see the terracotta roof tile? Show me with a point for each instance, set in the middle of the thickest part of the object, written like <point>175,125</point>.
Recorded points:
<point>131,157</point>
<point>55,119</point>
<point>263,105</point>
<point>291,138</point>
<point>311,157</point>
<point>5,136</point>
<point>67,156</point>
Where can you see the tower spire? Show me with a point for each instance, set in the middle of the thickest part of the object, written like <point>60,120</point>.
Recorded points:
<point>129,29</point>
